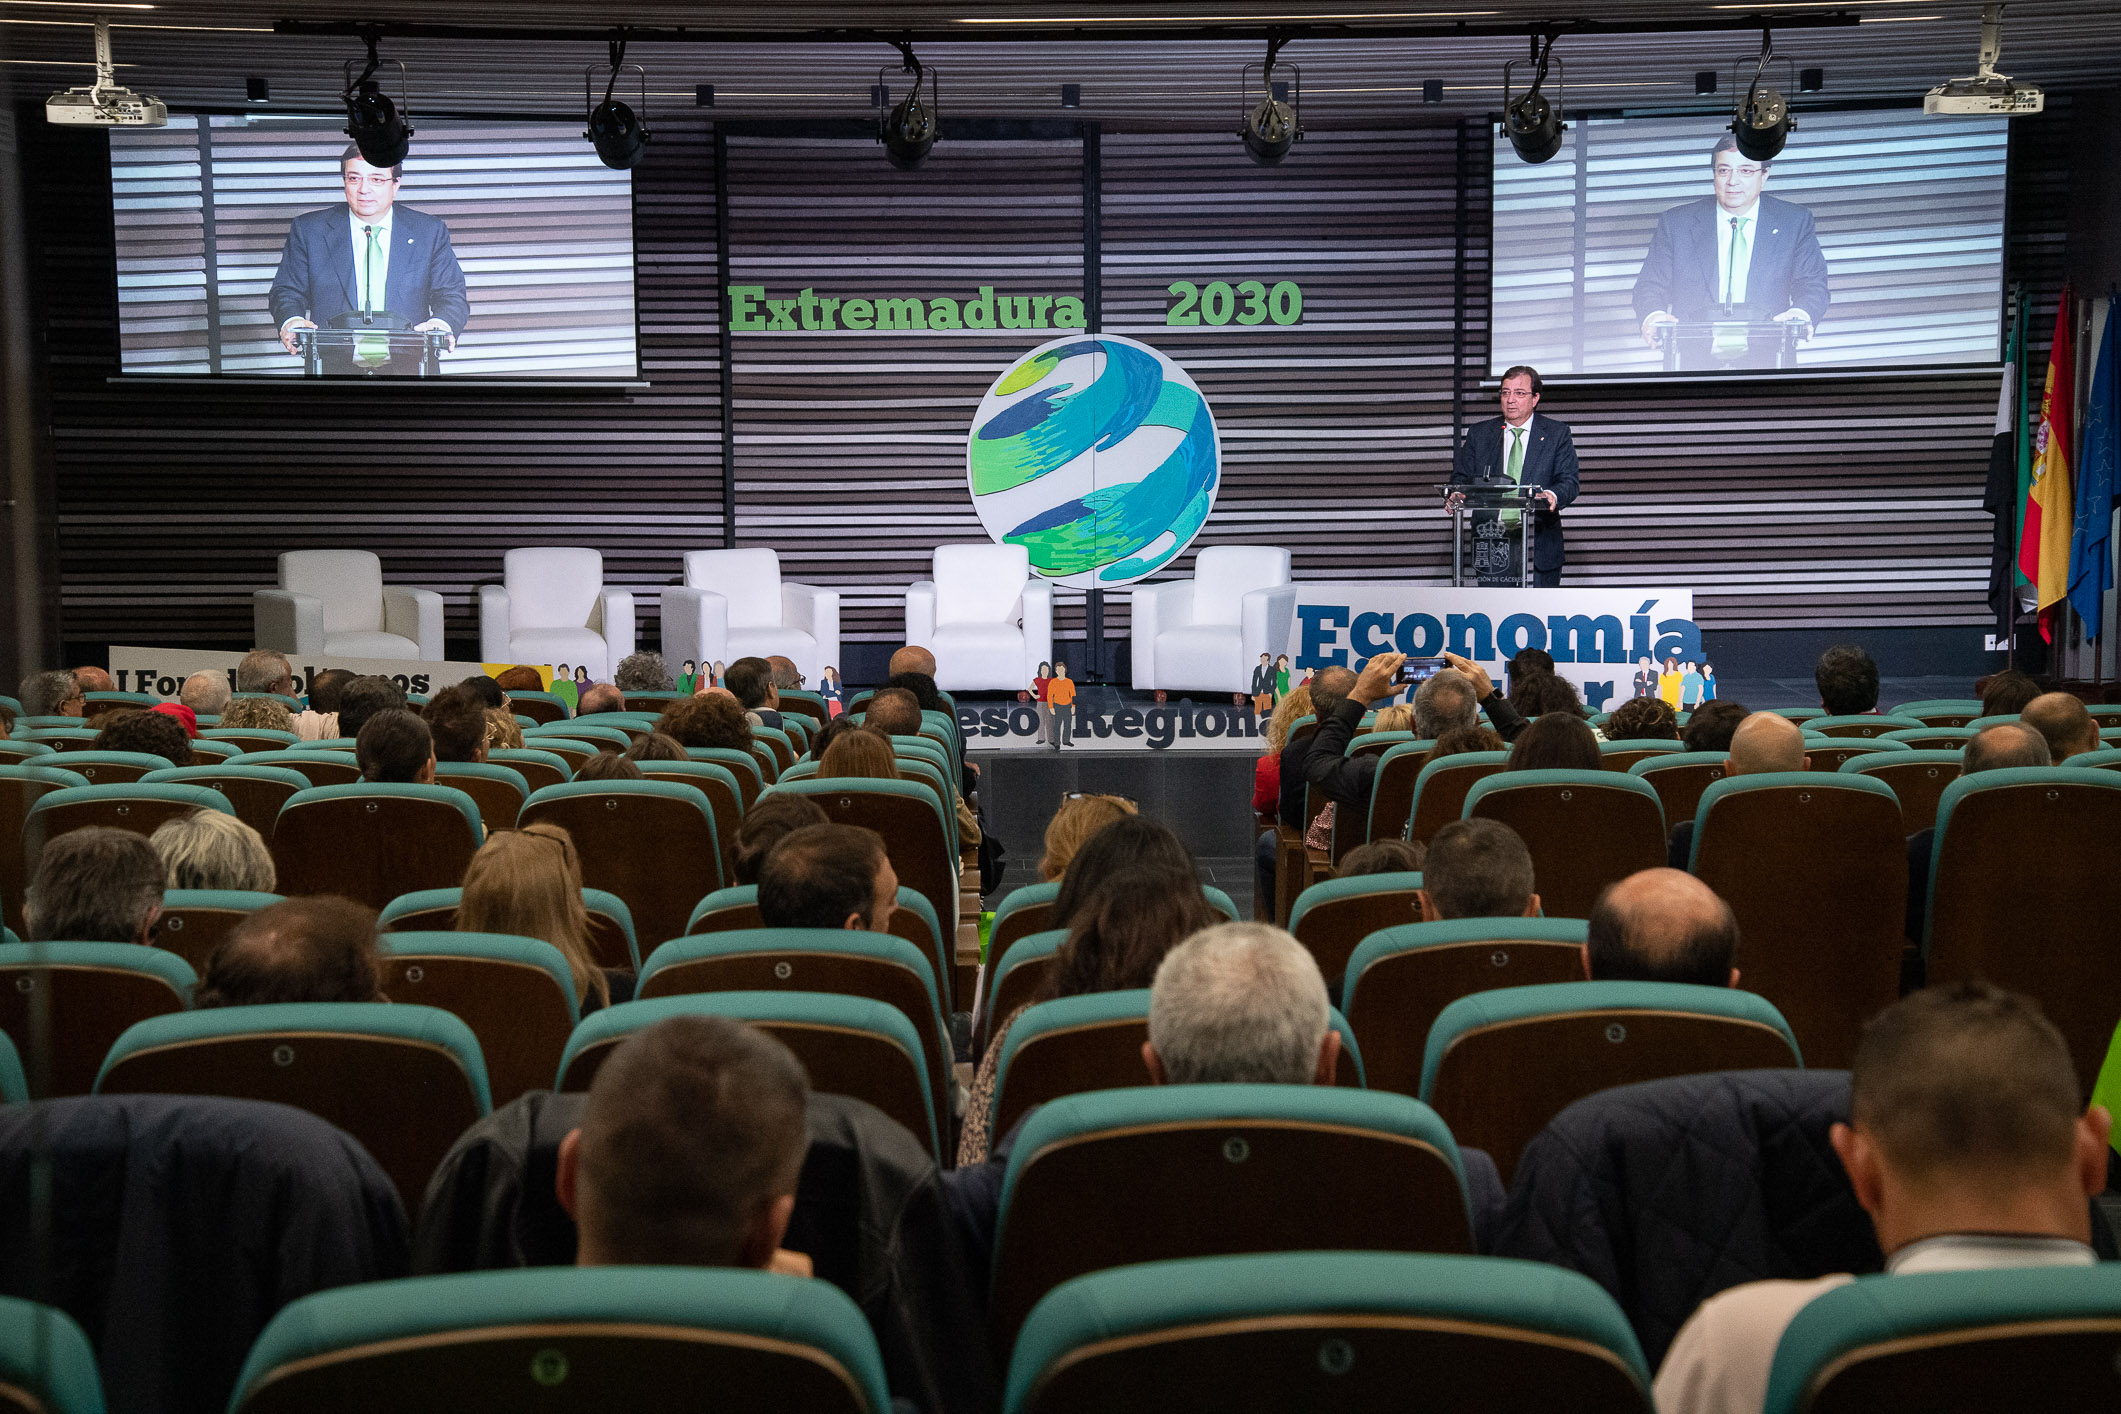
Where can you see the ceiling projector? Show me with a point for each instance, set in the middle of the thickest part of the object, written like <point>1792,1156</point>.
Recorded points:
<point>103,104</point>
<point>1987,94</point>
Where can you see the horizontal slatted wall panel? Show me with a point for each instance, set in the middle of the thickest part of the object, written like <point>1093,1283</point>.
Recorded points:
<point>174,501</point>
<point>1332,428</point>
<point>851,445</point>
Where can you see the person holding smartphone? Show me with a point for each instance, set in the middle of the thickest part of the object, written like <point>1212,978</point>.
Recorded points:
<point>1350,778</point>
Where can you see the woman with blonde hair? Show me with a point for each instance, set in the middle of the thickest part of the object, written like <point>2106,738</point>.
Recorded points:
<point>1266,776</point>
<point>209,849</point>
<point>1079,817</point>
<point>258,714</point>
<point>502,733</point>
<point>1399,717</point>
<point>861,752</point>
<point>529,882</point>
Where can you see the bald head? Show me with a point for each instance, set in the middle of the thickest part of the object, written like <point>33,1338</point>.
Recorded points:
<point>1662,925</point>
<point>913,659</point>
<point>1766,741</point>
<point>2060,718</point>
<point>601,698</point>
<point>2005,744</point>
<point>1329,689</point>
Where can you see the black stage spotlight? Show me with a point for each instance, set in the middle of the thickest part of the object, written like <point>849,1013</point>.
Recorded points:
<point>1432,90</point>
<point>1533,125</point>
<point>1273,125</point>
<point>1762,121</point>
<point>1704,81</point>
<point>379,129</point>
<point>908,130</point>
<point>1811,80</point>
<point>614,130</point>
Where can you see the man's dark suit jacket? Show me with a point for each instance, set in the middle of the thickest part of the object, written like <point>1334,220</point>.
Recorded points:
<point>316,281</point>
<point>1349,779</point>
<point>1549,461</point>
<point>1787,271</point>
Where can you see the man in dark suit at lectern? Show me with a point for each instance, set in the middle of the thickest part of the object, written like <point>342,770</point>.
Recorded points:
<point>1531,451</point>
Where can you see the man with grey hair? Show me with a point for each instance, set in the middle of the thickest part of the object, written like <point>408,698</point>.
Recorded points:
<point>265,670</point>
<point>1240,1003</point>
<point>1997,748</point>
<point>1446,702</point>
<point>95,885</point>
<point>642,672</point>
<point>206,692</point>
<point>787,677</point>
<point>55,693</point>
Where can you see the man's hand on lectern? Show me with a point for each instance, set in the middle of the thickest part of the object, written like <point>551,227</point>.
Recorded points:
<point>1655,325</point>
<point>1456,501</point>
<point>1547,498</point>
<point>1483,685</point>
<point>1376,679</point>
<point>287,334</point>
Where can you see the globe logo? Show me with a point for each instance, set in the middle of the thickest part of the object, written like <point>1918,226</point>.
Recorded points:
<point>1098,455</point>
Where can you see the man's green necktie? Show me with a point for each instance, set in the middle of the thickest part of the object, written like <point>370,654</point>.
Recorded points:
<point>1738,257</point>
<point>372,349</point>
<point>1514,469</point>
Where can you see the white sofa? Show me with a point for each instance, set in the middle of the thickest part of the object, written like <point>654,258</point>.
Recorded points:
<point>551,607</point>
<point>734,604</point>
<point>983,615</point>
<point>335,602</point>
<point>1205,634</point>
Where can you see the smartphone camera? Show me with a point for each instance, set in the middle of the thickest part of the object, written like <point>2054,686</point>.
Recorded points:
<point>1418,670</point>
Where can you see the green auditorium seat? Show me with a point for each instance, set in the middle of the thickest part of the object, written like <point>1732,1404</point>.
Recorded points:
<point>541,707</point>
<point>1346,1331</point>
<point>96,992</point>
<point>1439,793</point>
<point>255,740</point>
<point>611,934</point>
<point>569,1340</point>
<point>112,768</point>
<point>14,1086</point>
<point>584,729</point>
<point>1994,719</point>
<point>1334,915</point>
<point>1802,715</point>
<point>1832,753</point>
<point>653,703</point>
<point>1400,979</point>
<point>1932,738</point>
<point>131,806</point>
<point>1585,829</point>
<point>919,837</point>
<point>1207,1170</point>
<point>1622,755</point>
<point>255,793</point>
<point>775,741</point>
<point>743,765</point>
<point>576,752</point>
<point>725,797</point>
<point>46,1363</point>
<point>1814,867</point>
<point>1498,1065</point>
<point>849,1045</point>
<point>913,919</point>
<point>1015,981</point>
<point>321,768</point>
<point>1378,743</point>
<point>2044,1338</point>
<point>20,789</point>
<point>206,753</point>
<point>330,743</point>
<point>499,791</point>
<point>2105,759</point>
<point>1862,724</point>
<point>193,921</point>
<point>95,704</point>
<point>2042,921</point>
<point>537,768</point>
<point>14,753</point>
<point>650,842</point>
<point>1679,778</point>
<point>405,1081</point>
<point>1024,910</point>
<point>371,842</point>
<point>516,994</point>
<point>1917,777</point>
<point>1941,711</point>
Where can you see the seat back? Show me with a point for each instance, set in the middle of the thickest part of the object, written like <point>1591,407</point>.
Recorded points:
<point>604,730</point>
<point>1814,868</point>
<point>1622,755</point>
<point>749,579</point>
<point>349,582</point>
<point>2028,1338</point>
<point>371,842</point>
<point>1224,574</point>
<point>537,767</point>
<point>810,706</point>
<point>540,707</point>
<point>255,739</point>
<point>1679,778</point>
<point>498,791</point>
<point>570,1338</point>
<point>1210,1170</point>
<point>920,840</point>
<point>96,704</point>
<point>254,793</point>
<point>1585,829</point>
<point>1378,743</point>
<point>14,753</point>
<point>113,768</point>
<point>1014,981</point>
<point>650,842</point>
<point>320,768</point>
<point>1439,792</point>
<point>573,752</point>
<point>1942,711</point>
<point>1331,917</point>
<point>403,1080</point>
<point>736,907</point>
<point>1024,910</point>
<point>612,940</point>
<point>1832,753</point>
<point>1866,724</point>
<point>95,991</point>
<point>136,807</point>
<point>552,587</point>
<point>20,789</point>
<point>1499,1065</point>
<point>2104,759</point>
<point>750,778</point>
<point>725,797</point>
<point>1917,778</point>
<point>980,584</point>
<point>516,994</point>
<point>193,921</point>
<point>47,1365</point>
<point>1400,980</point>
<point>1329,1330</point>
<point>1932,738</point>
<point>848,1045</point>
<point>2044,924</point>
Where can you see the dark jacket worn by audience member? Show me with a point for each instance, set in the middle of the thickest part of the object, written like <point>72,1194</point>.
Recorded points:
<point>180,1227</point>
<point>870,1212</point>
<point>1349,778</point>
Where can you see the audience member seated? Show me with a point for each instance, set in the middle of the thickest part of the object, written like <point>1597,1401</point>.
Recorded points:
<point>860,753</point>
<point>691,1141</point>
<point>94,679</point>
<point>599,697</point>
<point>182,715</point>
<point>520,678</point>
<point>921,683</point>
<point>913,659</point>
<point>316,949</point>
<point>456,718</point>
<point>206,692</point>
<point>209,849</point>
<point>894,711</point>
<point>1477,869</point>
<point>1559,740</point>
<point>260,714</point>
<point>2061,718</point>
<point>1847,680</point>
<point>1399,717</point>
<point>1266,774</point>
<point>1710,726</point>
<point>1502,716</point>
<point>1460,741</point>
<point>265,670</point>
<point>484,688</point>
<point>52,694</point>
<point>1079,817</point>
<point>1994,748</point>
<point>751,680</point>
<point>707,719</point>
<point>1968,1144</point>
<point>1542,694</point>
<point>528,882</point>
<point>1382,857</point>
<point>655,746</point>
<point>1763,742</point>
<point>1240,1004</point>
<point>1661,925</point>
<point>1339,698</point>
<point>642,672</point>
<point>828,876</point>
<point>829,733</point>
<point>396,748</point>
<point>787,677</point>
<point>502,733</point>
<point>1524,664</point>
<point>766,824</point>
<point>364,697</point>
<point>321,721</point>
<point>1642,719</point>
<point>150,732</point>
<point>610,766</point>
<point>7,720</point>
<point>2006,693</point>
<point>95,885</point>
<point>1445,703</point>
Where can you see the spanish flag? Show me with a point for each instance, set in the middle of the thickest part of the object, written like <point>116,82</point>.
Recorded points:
<point>2043,545</point>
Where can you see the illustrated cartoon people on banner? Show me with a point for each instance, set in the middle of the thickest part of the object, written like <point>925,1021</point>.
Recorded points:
<point>1060,694</point>
<point>1670,681</point>
<point>1708,682</point>
<point>684,683</point>
<point>1645,678</point>
<point>563,688</point>
<point>828,687</point>
<point>1689,687</point>
<point>1039,686</point>
<point>1281,677</point>
<point>1263,686</point>
<point>715,680</point>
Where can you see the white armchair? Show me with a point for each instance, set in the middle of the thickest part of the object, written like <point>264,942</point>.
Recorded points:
<point>335,602</point>
<point>551,607</point>
<point>988,622</point>
<point>1205,634</point>
<point>734,604</point>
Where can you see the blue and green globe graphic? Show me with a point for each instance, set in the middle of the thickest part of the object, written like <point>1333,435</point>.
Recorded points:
<point>1098,455</point>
